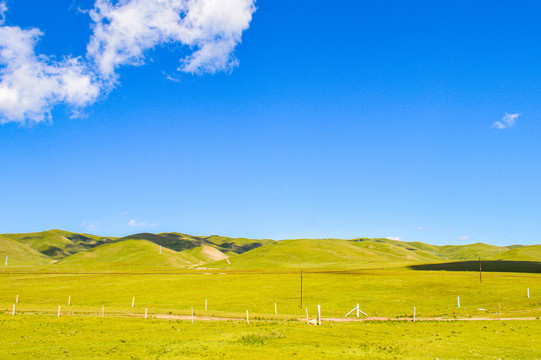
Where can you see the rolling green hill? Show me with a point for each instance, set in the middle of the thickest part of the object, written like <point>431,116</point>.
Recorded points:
<point>471,251</point>
<point>522,253</point>
<point>325,254</point>
<point>139,253</point>
<point>58,244</point>
<point>20,254</point>
<point>187,251</point>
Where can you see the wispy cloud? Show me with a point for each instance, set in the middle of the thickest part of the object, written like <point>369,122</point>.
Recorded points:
<point>89,226</point>
<point>398,238</point>
<point>135,223</point>
<point>507,121</point>
<point>464,237</point>
<point>3,9</point>
<point>124,32</point>
<point>420,228</point>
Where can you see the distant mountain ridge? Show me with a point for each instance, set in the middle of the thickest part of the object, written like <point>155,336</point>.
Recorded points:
<point>178,250</point>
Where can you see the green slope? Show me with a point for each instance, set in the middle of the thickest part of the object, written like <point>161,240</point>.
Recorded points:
<point>140,253</point>
<point>180,242</point>
<point>20,254</point>
<point>523,253</point>
<point>392,251</point>
<point>173,241</point>
<point>183,250</point>
<point>471,251</point>
<point>323,254</point>
<point>237,245</point>
<point>58,244</point>
<point>204,254</point>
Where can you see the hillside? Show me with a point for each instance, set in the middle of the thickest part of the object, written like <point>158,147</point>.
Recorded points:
<point>57,244</point>
<point>324,254</point>
<point>187,251</point>
<point>20,254</point>
<point>522,253</point>
<point>139,253</point>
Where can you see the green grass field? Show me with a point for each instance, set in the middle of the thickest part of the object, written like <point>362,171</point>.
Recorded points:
<point>81,332</point>
<point>381,293</point>
<point>232,276</point>
<point>28,337</point>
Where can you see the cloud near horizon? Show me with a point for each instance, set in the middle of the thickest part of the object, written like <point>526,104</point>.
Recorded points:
<point>135,223</point>
<point>124,31</point>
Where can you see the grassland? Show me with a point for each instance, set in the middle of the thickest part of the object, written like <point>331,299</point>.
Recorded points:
<point>123,333</point>
<point>381,293</point>
<point>27,337</point>
<point>168,274</point>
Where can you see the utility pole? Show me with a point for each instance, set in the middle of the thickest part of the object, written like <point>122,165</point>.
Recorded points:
<point>480,271</point>
<point>301,291</point>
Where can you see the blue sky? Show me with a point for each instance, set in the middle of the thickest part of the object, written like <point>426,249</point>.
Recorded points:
<point>416,120</point>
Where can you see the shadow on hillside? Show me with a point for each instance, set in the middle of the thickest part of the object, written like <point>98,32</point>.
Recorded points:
<point>489,266</point>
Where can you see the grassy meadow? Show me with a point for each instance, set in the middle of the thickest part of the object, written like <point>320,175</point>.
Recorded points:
<point>169,274</point>
<point>27,337</point>
<point>380,293</point>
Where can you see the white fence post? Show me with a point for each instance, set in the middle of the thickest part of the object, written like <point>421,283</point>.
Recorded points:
<point>69,300</point>
<point>58,314</point>
<point>528,292</point>
<point>13,311</point>
<point>319,315</point>
<point>17,299</point>
<point>275,309</point>
<point>133,301</point>
<point>458,301</point>
<point>192,314</point>
<point>145,313</point>
<point>414,314</point>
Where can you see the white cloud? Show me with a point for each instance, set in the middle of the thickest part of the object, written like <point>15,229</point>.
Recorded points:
<point>398,238</point>
<point>464,237</point>
<point>3,9</point>
<point>507,121</point>
<point>420,228</point>
<point>31,84</point>
<point>135,223</point>
<point>126,29</point>
<point>89,226</point>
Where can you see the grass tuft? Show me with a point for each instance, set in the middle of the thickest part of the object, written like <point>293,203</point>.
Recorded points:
<point>260,338</point>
